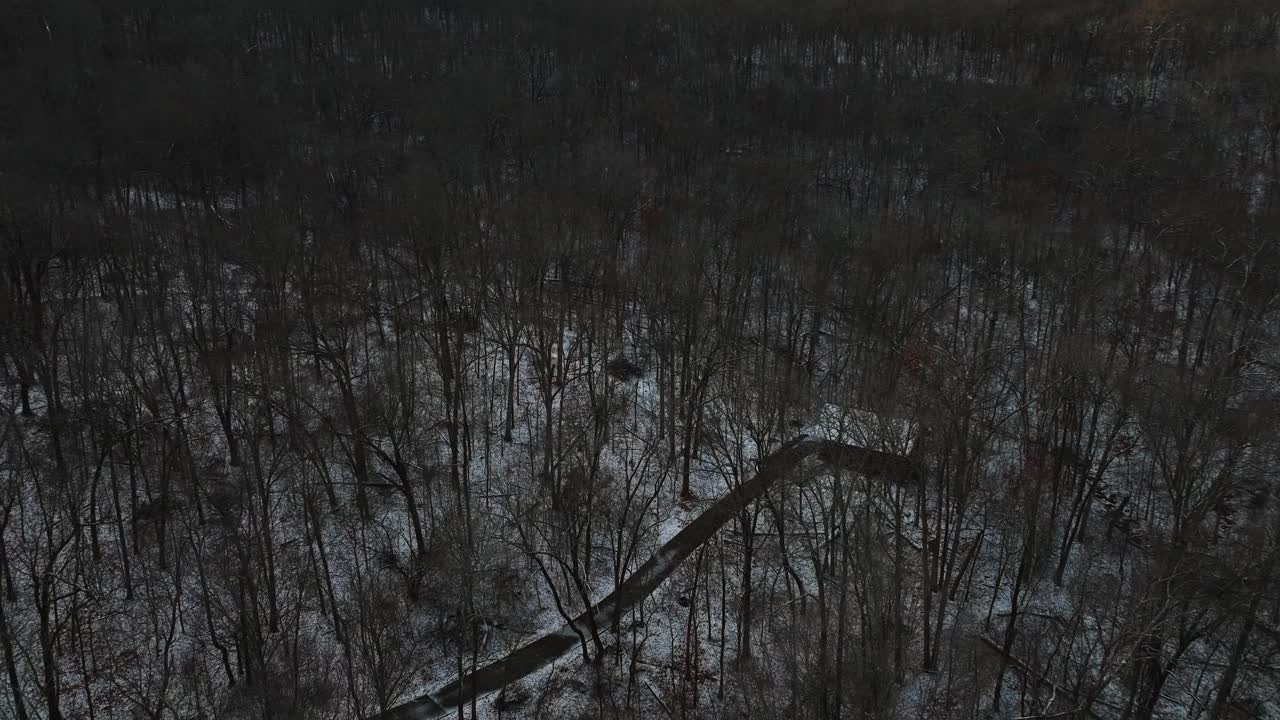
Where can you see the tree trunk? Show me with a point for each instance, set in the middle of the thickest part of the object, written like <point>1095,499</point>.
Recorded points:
<point>1228,681</point>
<point>10,663</point>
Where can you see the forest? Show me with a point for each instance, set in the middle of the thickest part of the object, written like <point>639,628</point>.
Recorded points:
<point>643,359</point>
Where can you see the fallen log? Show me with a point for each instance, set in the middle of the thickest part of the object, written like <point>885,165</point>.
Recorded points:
<point>532,657</point>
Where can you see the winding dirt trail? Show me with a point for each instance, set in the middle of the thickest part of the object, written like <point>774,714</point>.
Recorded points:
<point>536,655</point>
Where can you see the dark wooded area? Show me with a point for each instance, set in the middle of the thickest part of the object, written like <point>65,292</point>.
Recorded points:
<point>348,346</point>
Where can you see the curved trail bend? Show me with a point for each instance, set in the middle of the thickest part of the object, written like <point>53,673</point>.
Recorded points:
<point>532,657</point>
